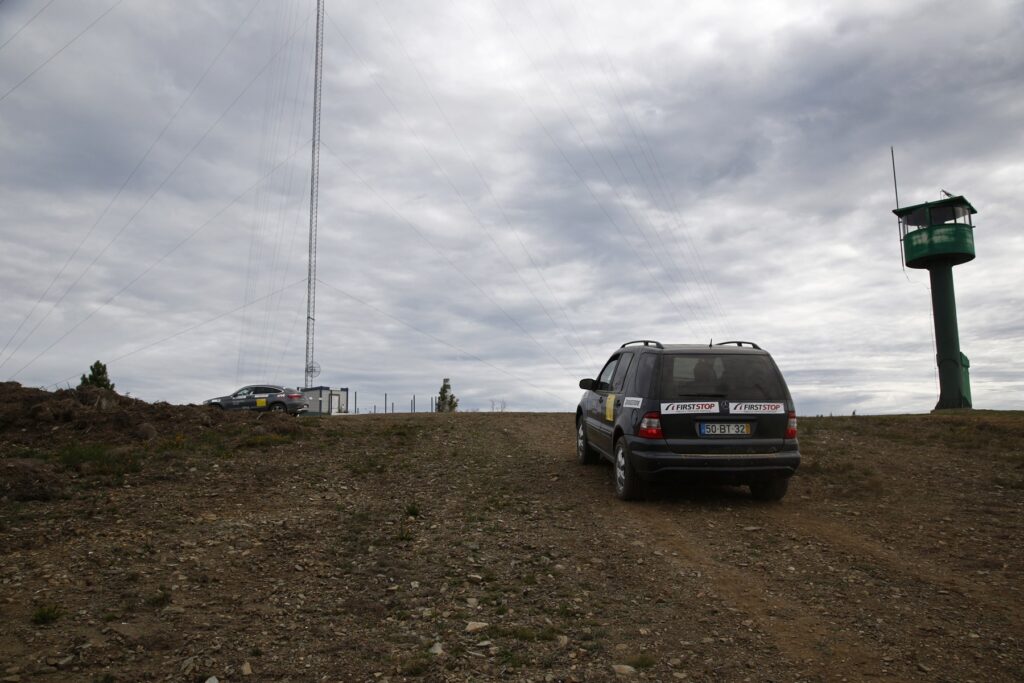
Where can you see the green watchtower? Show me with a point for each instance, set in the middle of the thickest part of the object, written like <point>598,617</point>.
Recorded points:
<point>937,236</point>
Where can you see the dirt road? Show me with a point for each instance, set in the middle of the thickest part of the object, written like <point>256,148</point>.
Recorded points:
<point>474,547</point>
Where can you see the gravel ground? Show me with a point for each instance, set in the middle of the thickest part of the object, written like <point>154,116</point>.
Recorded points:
<point>178,544</point>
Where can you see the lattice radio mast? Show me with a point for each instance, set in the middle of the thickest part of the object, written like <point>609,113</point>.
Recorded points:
<point>312,367</point>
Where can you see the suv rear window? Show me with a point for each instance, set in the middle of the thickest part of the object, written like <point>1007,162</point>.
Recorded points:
<point>739,377</point>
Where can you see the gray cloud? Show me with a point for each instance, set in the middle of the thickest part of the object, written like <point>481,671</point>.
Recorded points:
<point>508,193</point>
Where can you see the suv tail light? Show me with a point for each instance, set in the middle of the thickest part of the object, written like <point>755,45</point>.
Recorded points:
<point>650,426</point>
<point>294,395</point>
<point>791,426</point>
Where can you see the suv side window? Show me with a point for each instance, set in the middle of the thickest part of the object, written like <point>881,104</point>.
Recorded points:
<point>618,379</point>
<point>604,381</point>
<point>642,375</point>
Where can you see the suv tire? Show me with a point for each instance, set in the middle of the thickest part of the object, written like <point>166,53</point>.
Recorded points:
<point>770,489</point>
<point>584,454</point>
<point>628,485</point>
<point>277,407</point>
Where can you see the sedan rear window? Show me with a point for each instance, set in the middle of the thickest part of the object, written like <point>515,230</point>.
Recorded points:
<point>733,376</point>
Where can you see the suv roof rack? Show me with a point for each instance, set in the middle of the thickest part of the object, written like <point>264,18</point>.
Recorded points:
<point>645,342</point>
<point>740,344</point>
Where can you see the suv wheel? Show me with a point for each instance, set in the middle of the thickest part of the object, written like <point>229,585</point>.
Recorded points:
<point>771,489</point>
<point>584,454</point>
<point>277,407</point>
<point>627,484</point>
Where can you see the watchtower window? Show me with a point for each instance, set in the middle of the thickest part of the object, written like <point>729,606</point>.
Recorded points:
<point>934,213</point>
<point>950,214</point>
<point>915,219</point>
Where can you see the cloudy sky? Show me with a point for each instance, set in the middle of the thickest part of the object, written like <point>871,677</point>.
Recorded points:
<point>508,191</point>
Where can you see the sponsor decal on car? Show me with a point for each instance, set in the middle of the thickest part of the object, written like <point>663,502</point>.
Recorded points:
<point>689,408</point>
<point>261,403</point>
<point>632,402</point>
<point>749,408</point>
<point>609,408</point>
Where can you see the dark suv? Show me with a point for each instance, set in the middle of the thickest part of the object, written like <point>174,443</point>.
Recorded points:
<point>720,413</point>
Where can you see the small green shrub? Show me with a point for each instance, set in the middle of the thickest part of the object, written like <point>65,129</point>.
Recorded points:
<point>178,442</point>
<point>265,440</point>
<point>513,658</point>
<point>99,459</point>
<point>525,633</point>
<point>19,451</point>
<point>46,615</point>
<point>1016,483</point>
<point>640,661</point>
<point>416,666</point>
<point>161,598</point>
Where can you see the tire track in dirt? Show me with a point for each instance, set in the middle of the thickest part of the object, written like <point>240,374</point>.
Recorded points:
<point>908,617</point>
<point>900,563</point>
<point>812,645</point>
<point>860,584</point>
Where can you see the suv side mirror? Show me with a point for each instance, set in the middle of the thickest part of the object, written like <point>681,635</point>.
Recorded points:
<point>587,384</point>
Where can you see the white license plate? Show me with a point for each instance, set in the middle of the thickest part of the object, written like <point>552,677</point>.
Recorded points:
<point>724,428</point>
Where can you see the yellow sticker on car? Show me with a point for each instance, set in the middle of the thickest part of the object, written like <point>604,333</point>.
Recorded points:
<point>261,403</point>
<point>609,408</point>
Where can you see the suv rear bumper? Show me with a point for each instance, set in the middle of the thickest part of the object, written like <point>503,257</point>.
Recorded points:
<point>657,463</point>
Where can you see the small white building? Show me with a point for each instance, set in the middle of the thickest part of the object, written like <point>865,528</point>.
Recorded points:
<point>326,401</point>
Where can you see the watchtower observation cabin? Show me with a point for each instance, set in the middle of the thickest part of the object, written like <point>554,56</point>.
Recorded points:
<point>936,236</point>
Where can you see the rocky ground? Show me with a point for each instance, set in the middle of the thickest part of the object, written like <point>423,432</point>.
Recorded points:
<point>150,542</point>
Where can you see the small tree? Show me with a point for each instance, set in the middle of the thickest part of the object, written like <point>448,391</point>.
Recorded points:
<point>97,377</point>
<point>446,401</point>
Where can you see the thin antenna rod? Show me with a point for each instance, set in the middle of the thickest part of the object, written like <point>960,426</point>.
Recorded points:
<point>895,187</point>
<point>899,227</point>
<point>314,187</point>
